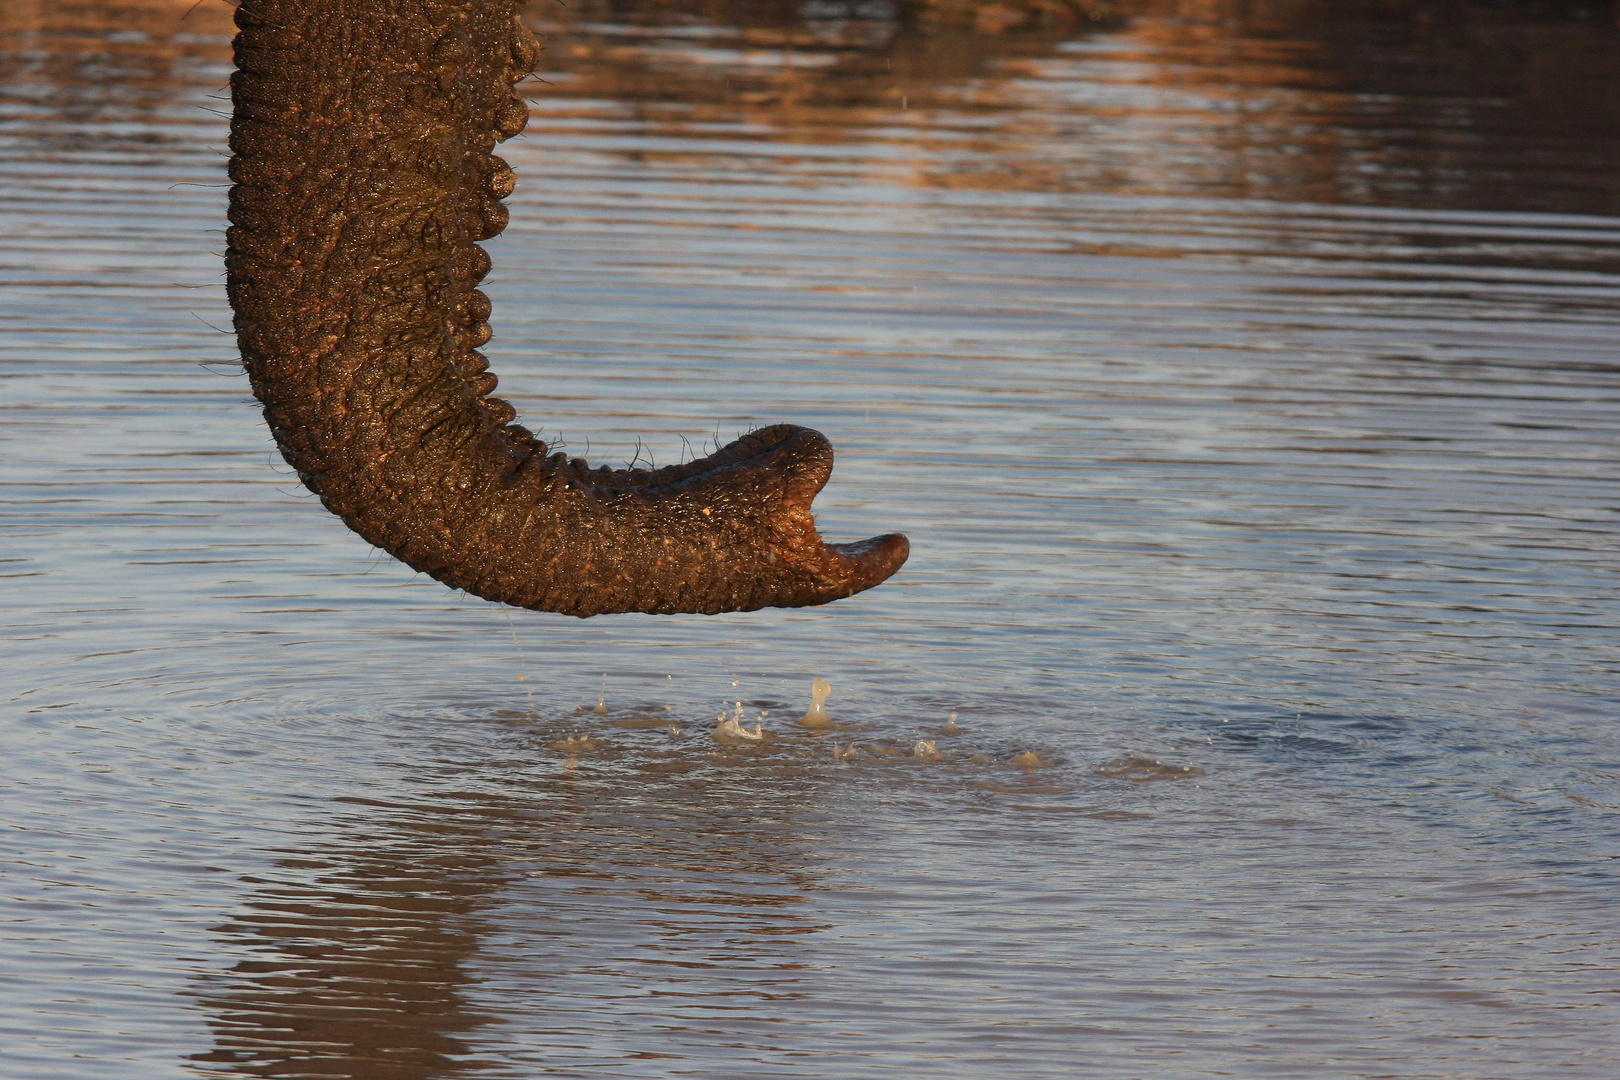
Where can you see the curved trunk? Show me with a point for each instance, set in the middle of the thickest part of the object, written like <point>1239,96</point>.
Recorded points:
<point>363,178</point>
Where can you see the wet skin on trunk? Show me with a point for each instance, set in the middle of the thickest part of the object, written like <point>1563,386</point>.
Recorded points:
<point>363,178</point>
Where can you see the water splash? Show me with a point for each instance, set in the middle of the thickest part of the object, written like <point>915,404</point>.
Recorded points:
<point>817,717</point>
<point>730,730</point>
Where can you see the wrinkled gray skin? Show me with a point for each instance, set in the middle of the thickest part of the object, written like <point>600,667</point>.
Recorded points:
<point>364,175</point>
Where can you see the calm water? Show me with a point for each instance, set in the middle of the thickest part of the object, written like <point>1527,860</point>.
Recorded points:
<point>1248,384</point>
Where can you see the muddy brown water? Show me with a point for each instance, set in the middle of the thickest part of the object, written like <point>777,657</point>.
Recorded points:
<point>1247,378</point>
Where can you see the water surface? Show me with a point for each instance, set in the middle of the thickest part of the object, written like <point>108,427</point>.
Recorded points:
<point>1246,380</point>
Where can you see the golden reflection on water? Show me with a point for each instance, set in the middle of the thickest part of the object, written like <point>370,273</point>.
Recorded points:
<point>108,43</point>
<point>1399,104</point>
<point>1291,100</point>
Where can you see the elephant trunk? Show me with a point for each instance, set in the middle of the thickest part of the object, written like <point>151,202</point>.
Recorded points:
<point>363,178</point>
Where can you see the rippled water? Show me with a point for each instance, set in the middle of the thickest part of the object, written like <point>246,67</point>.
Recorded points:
<point>1246,380</point>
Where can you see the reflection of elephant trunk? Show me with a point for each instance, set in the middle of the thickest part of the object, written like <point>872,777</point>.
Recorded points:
<point>363,175</point>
